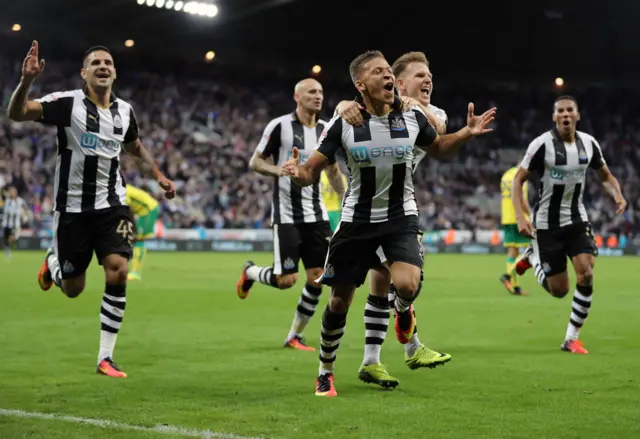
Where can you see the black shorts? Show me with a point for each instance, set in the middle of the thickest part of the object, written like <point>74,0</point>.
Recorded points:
<point>292,242</point>
<point>553,246</point>
<point>78,235</point>
<point>353,249</point>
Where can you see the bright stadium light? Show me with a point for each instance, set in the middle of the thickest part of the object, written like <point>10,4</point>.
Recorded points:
<point>210,55</point>
<point>129,43</point>
<point>16,27</point>
<point>559,81</point>
<point>316,69</point>
<point>201,8</point>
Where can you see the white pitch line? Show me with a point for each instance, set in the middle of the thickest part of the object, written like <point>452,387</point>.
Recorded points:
<point>105,423</point>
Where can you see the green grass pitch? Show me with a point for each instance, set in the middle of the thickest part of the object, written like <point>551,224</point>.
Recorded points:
<point>198,357</point>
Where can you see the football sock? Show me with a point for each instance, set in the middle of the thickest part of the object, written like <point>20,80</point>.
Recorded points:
<point>264,275</point>
<point>376,322</point>
<point>333,327</point>
<point>403,304</point>
<point>111,314</point>
<point>54,267</point>
<point>510,270</point>
<point>139,253</point>
<point>414,342</point>
<point>306,308</point>
<point>539,271</point>
<point>579,310</point>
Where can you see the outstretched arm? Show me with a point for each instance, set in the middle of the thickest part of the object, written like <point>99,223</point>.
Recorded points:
<point>449,144</point>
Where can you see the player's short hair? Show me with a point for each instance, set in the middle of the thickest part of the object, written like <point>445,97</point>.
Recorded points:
<point>565,98</point>
<point>355,68</point>
<point>401,64</point>
<point>92,49</point>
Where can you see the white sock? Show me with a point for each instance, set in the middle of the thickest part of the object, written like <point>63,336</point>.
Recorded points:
<point>54,268</point>
<point>376,323</point>
<point>107,345</point>
<point>306,309</point>
<point>413,345</point>
<point>579,311</point>
<point>253,272</point>
<point>111,315</point>
<point>403,304</point>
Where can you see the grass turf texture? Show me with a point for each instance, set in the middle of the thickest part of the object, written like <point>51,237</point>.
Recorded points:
<point>198,357</point>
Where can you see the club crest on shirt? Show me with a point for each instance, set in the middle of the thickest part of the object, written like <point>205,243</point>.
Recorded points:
<point>117,121</point>
<point>397,124</point>
<point>583,155</point>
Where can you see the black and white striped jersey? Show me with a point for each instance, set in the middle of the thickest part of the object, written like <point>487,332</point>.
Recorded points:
<point>380,157</point>
<point>442,116</point>
<point>90,140</point>
<point>562,168</point>
<point>291,203</point>
<point>12,213</point>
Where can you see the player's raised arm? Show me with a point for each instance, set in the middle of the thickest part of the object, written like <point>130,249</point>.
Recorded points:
<point>609,182</point>
<point>20,108</point>
<point>448,144</point>
<point>267,147</point>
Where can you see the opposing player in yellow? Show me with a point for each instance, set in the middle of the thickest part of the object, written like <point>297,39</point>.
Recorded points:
<point>513,240</point>
<point>146,210</point>
<point>332,200</point>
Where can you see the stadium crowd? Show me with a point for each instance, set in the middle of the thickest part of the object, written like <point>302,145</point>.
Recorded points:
<point>203,132</point>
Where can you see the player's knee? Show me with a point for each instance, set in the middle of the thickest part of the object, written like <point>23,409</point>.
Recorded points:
<point>116,271</point>
<point>287,281</point>
<point>586,277</point>
<point>73,289</point>
<point>407,287</point>
<point>559,291</point>
<point>338,304</point>
<point>313,275</point>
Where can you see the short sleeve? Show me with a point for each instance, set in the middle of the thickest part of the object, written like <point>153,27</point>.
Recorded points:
<point>132,133</point>
<point>534,157</point>
<point>440,114</point>
<point>330,142</point>
<point>426,134</point>
<point>56,109</point>
<point>271,139</point>
<point>597,160</point>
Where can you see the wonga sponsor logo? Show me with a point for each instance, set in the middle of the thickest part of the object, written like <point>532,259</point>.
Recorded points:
<point>91,141</point>
<point>363,154</point>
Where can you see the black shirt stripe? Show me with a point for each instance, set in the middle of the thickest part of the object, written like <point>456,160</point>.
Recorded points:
<point>63,182</point>
<point>89,183</point>
<point>575,205</point>
<point>362,209</point>
<point>555,204</point>
<point>396,191</point>
<point>296,191</point>
<point>112,195</point>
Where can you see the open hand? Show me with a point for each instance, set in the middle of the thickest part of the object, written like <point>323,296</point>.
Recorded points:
<point>479,125</point>
<point>32,67</point>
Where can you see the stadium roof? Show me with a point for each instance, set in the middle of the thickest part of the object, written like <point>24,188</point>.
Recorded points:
<point>517,39</point>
